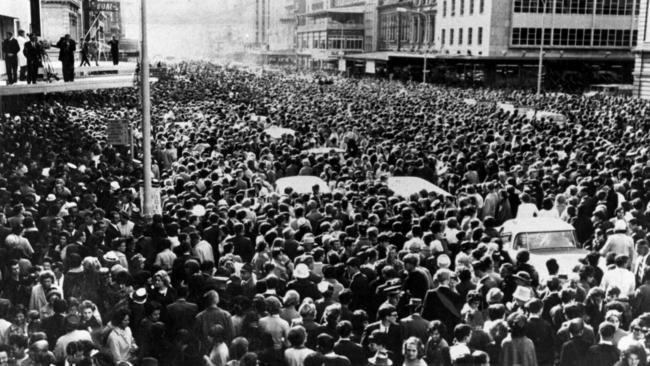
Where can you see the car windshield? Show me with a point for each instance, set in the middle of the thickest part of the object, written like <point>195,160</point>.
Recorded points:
<point>545,240</point>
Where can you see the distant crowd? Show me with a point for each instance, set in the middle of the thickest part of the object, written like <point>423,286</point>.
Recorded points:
<point>231,270</point>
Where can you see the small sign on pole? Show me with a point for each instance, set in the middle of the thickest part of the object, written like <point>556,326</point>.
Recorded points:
<point>154,198</point>
<point>118,133</point>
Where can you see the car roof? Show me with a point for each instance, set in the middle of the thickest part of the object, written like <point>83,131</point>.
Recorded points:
<point>406,186</point>
<point>301,184</point>
<point>535,225</point>
<point>325,150</point>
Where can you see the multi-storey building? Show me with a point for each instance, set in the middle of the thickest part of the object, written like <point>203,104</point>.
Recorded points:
<point>329,29</point>
<point>496,40</point>
<point>641,87</point>
<point>60,17</point>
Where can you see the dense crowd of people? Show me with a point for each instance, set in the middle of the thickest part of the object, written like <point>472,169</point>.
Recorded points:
<point>233,271</point>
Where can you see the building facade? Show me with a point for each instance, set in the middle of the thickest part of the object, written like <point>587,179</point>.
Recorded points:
<point>582,41</point>
<point>329,29</point>
<point>282,25</point>
<point>641,87</point>
<point>60,17</point>
<point>406,25</point>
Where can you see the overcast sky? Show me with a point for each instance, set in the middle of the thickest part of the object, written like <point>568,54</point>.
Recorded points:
<point>189,28</point>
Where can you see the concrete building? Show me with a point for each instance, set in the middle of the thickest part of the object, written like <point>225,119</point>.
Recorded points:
<point>329,29</point>
<point>60,17</point>
<point>282,25</point>
<point>641,87</point>
<point>498,41</point>
<point>17,14</point>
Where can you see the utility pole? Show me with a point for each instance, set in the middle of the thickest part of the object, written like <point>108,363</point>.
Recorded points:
<point>147,206</point>
<point>540,65</point>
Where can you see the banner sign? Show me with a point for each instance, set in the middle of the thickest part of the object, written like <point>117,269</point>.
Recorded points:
<point>118,133</point>
<point>108,6</point>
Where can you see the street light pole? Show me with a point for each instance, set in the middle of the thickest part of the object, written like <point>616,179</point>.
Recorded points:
<point>147,206</point>
<point>540,64</point>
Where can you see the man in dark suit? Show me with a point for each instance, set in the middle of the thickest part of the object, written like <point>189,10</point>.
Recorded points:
<point>603,353</point>
<point>242,244</point>
<point>181,313</point>
<point>346,347</point>
<point>443,303</point>
<point>54,326</point>
<point>386,324</point>
<point>10,49</point>
<point>552,298</point>
<point>326,347</point>
<point>33,53</point>
<point>541,333</point>
<point>212,234</point>
<point>414,325</point>
<point>574,350</point>
<point>358,284</point>
<point>115,50</point>
<point>67,47</point>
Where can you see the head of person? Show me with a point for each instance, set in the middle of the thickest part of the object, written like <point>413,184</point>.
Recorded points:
<point>297,336</point>
<point>325,343</point>
<point>437,330</point>
<point>412,349</point>
<point>634,355</point>
<point>4,355</point>
<point>121,318</point>
<point>387,313</point>
<point>606,330</point>
<point>462,332</point>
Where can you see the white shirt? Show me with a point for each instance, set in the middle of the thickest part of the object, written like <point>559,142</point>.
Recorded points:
<point>621,278</point>
<point>203,251</point>
<point>22,60</point>
<point>125,229</point>
<point>527,210</point>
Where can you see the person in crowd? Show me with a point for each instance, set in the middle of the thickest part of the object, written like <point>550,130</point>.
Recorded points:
<point>114,43</point>
<point>296,354</point>
<point>605,352</point>
<point>346,251</point>
<point>33,52</point>
<point>10,50</point>
<point>67,47</point>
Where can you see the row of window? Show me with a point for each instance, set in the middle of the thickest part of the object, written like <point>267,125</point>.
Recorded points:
<point>461,7</point>
<point>320,40</point>
<point>599,7</point>
<point>460,40</point>
<point>389,29</point>
<point>574,37</point>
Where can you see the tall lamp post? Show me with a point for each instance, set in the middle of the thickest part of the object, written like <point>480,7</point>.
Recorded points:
<point>424,16</point>
<point>147,206</point>
<point>540,64</point>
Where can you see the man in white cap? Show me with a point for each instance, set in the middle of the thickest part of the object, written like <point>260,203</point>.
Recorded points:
<point>302,284</point>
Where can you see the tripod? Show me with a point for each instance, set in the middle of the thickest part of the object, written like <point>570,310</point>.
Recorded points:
<point>48,70</point>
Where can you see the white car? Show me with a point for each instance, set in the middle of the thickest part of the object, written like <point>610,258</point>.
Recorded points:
<point>544,238</point>
<point>407,186</point>
<point>301,184</point>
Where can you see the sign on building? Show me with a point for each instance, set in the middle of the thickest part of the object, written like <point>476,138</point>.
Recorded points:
<point>156,201</point>
<point>108,6</point>
<point>370,67</point>
<point>342,65</point>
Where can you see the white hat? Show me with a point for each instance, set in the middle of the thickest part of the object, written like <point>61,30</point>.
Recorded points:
<point>523,294</point>
<point>301,271</point>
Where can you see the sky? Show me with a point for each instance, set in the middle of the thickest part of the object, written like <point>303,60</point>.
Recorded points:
<point>190,28</point>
